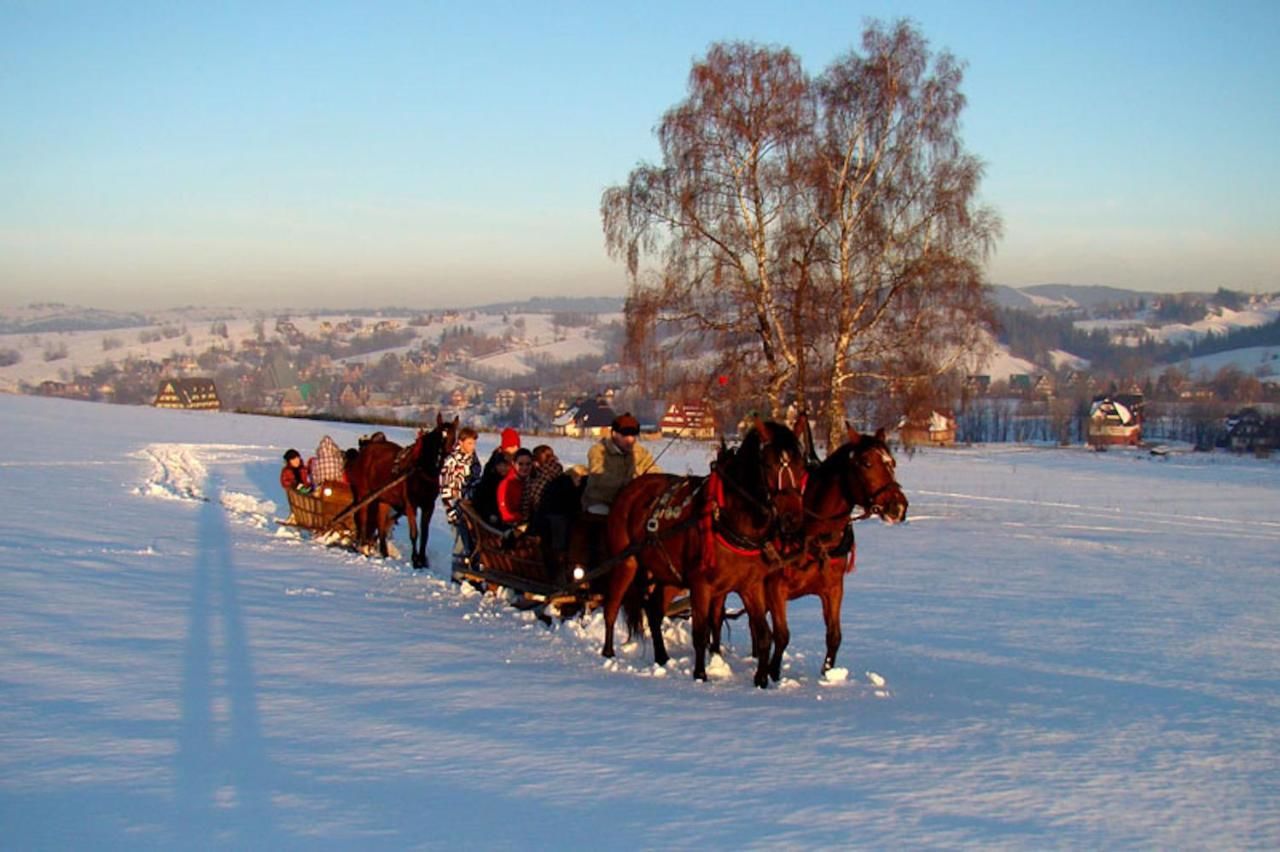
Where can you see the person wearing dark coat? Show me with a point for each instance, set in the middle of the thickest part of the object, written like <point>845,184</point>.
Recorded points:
<point>485,497</point>
<point>294,476</point>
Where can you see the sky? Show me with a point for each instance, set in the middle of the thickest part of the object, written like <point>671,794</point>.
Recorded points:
<point>433,154</point>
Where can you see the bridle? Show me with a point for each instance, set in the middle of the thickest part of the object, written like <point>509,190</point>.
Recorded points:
<point>870,503</point>
<point>431,467</point>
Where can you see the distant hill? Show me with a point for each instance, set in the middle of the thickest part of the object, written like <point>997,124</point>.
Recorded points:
<point>1063,297</point>
<point>558,304</point>
<point>43,317</point>
<point>1085,295</point>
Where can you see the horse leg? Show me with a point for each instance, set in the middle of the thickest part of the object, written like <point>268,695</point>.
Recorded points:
<point>654,610</point>
<point>411,512</point>
<point>362,529</point>
<point>832,597</point>
<point>716,625</point>
<point>700,601</point>
<point>619,581</point>
<point>775,592</point>
<point>384,527</point>
<point>753,600</point>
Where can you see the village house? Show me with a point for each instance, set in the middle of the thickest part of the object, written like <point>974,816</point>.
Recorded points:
<point>188,392</point>
<point>587,418</point>
<point>289,402</point>
<point>1248,431</point>
<point>351,394</point>
<point>1115,420</point>
<point>504,398</point>
<point>687,420</point>
<point>936,427</point>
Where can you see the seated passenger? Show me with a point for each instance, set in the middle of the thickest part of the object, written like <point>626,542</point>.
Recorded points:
<point>511,489</point>
<point>546,467</point>
<point>328,463</point>
<point>485,498</point>
<point>294,476</point>
<point>553,516</point>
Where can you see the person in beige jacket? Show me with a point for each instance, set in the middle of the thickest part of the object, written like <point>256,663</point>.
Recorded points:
<point>612,463</point>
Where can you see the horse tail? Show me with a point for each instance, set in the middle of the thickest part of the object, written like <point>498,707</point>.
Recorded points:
<point>633,606</point>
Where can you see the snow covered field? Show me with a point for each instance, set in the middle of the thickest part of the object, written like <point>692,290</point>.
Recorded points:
<point>1060,648</point>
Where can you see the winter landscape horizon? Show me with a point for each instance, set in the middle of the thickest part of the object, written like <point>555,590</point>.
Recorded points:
<point>1017,239</point>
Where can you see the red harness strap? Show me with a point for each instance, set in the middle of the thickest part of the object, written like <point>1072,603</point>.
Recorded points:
<point>706,523</point>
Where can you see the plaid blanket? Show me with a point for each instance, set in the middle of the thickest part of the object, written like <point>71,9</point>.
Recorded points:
<point>328,462</point>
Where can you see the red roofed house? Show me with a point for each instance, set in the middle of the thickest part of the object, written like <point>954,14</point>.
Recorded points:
<point>687,420</point>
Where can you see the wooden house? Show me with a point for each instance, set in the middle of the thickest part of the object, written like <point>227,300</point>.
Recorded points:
<point>1115,420</point>
<point>687,420</point>
<point>589,418</point>
<point>1248,431</point>
<point>188,393</point>
<point>936,427</point>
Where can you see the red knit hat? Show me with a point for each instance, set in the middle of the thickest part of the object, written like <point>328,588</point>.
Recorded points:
<point>510,439</point>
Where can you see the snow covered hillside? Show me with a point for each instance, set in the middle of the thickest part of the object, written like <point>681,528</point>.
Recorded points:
<point>1219,322</point>
<point>48,355</point>
<point>1059,649</point>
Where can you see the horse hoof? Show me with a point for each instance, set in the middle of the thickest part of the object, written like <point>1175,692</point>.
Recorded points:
<point>762,681</point>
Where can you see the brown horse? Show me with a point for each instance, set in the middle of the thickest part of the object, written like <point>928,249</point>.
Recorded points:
<point>677,530</point>
<point>860,473</point>
<point>379,463</point>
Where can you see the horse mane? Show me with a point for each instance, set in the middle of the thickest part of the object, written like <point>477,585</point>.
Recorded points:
<point>744,464</point>
<point>752,447</point>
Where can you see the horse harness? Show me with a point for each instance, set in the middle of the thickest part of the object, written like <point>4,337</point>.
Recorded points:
<point>675,504</point>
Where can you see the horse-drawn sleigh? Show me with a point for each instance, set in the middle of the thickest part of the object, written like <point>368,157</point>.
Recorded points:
<point>384,480</point>
<point>770,524</point>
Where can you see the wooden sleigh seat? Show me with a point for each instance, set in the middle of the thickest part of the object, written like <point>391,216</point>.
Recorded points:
<point>317,510</point>
<point>513,560</point>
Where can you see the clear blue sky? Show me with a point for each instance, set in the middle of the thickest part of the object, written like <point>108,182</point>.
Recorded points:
<point>287,154</point>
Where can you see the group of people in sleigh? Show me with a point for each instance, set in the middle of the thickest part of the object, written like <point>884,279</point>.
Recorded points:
<point>517,489</point>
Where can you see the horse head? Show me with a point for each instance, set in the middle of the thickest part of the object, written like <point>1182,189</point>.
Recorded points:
<point>434,446</point>
<point>769,466</point>
<point>870,480</point>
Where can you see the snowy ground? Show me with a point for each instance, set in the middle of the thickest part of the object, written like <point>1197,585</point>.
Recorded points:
<point>1059,649</point>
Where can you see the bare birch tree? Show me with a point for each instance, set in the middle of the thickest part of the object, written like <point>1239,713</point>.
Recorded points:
<point>823,236</point>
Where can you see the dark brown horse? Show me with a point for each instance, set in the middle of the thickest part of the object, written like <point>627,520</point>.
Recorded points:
<point>381,462</point>
<point>860,473</point>
<point>674,531</point>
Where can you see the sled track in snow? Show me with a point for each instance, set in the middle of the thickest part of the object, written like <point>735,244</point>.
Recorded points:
<point>1267,530</point>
